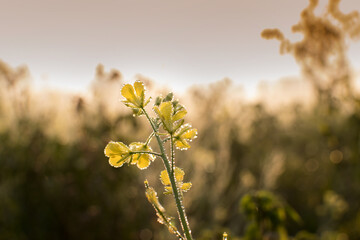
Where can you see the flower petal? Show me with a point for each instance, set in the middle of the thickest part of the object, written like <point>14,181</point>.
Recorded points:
<point>136,146</point>
<point>164,177</point>
<point>166,110</point>
<point>128,92</point>
<point>186,187</point>
<point>117,161</point>
<point>190,134</point>
<point>157,111</point>
<point>144,161</point>
<point>179,115</point>
<point>178,124</point>
<point>182,129</point>
<point>116,148</point>
<point>147,101</point>
<point>181,144</point>
<point>168,190</point>
<point>139,88</point>
<point>141,159</point>
<point>179,174</point>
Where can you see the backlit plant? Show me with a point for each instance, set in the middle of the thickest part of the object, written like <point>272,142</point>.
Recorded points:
<point>169,129</point>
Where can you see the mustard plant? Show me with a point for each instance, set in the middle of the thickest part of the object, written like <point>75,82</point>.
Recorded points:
<point>169,129</point>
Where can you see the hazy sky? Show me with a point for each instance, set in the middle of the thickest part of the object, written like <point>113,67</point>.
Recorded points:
<point>175,42</point>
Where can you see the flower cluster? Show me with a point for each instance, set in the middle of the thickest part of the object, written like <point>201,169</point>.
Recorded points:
<point>136,153</point>
<point>169,113</point>
<point>170,118</point>
<point>179,177</point>
<point>183,136</point>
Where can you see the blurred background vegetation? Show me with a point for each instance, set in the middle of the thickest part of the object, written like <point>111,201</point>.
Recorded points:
<point>265,169</point>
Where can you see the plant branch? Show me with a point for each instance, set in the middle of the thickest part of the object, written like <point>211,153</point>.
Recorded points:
<point>145,152</point>
<point>177,195</point>
<point>172,153</point>
<point>149,138</point>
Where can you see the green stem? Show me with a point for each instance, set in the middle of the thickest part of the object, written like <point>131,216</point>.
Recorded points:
<point>138,152</point>
<point>172,153</point>
<point>177,196</point>
<point>167,223</point>
<point>166,139</point>
<point>145,152</point>
<point>124,157</point>
<point>149,138</point>
<point>164,218</point>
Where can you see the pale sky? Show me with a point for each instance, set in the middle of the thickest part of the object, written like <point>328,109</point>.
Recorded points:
<point>174,42</point>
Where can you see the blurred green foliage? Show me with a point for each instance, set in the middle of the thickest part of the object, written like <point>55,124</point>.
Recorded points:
<point>56,183</point>
<point>266,216</point>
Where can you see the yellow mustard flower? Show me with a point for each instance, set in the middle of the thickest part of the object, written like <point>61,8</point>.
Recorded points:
<point>168,116</point>
<point>179,176</point>
<point>183,136</point>
<point>135,96</point>
<point>118,153</point>
<point>225,236</point>
<point>142,160</point>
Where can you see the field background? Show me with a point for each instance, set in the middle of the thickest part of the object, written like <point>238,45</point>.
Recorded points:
<point>299,139</point>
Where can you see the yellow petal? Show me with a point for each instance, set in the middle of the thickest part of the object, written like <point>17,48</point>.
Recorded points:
<point>166,111</point>
<point>136,146</point>
<point>179,174</point>
<point>164,177</point>
<point>139,88</point>
<point>115,148</point>
<point>190,134</point>
<point>157,111</point>
<point>179,115</point>
<point>134,158</point>
<point>181,144</point>
<point>143,161</point>
<point>128,92</point>
<point>115,161</point>
<point>182,129</point>
<point>147,101</point>
<point>168,190</point>
<point>186,187</point>
<point>178,125</point>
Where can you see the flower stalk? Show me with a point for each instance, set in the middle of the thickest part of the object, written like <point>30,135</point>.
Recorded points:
<point>170,117</point>
<point>177,196</point>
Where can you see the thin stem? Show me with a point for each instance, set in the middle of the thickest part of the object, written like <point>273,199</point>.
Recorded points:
<point>145,152</point>
<point>172,153</point>
<point>138,152</point>
<point>149,138</point>
<point>177,196</point>
<point>168,223</point>
<point>166,139</point>
<point>124,157</point>
<point>164,218</point>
